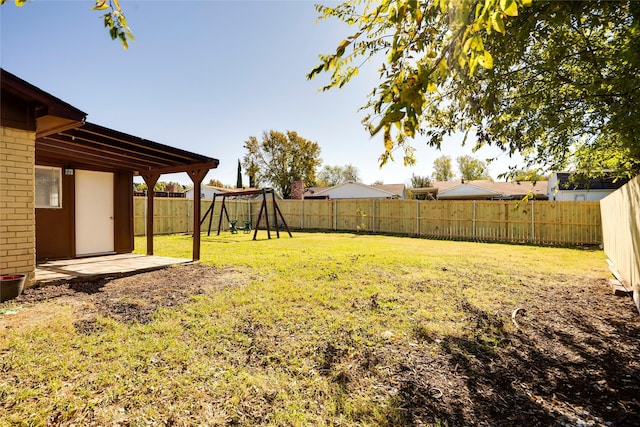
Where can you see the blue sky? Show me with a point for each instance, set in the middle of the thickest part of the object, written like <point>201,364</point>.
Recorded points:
<point>206,75</point>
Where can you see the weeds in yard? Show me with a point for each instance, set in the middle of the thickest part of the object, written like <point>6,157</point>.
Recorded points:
<point>326,329</point>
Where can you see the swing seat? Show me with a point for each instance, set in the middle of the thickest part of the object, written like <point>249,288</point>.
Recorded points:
<point>232,226</point>
<point>247,227</point>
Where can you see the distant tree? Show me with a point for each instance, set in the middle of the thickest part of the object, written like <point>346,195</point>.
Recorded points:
<point>472,169</point>
<point>280,159</point>
<point>333,175</point>
<point>529,175</point>
<point>215,183</point>
<point>239,177</point>
<point>160,186</point>
<point>378,182</point>
<point>113,19</point>
<point>252,176</point>
<point>442,169</point>
<point>418,181</point>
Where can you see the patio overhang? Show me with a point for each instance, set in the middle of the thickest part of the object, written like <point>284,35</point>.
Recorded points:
<point>99,148</point>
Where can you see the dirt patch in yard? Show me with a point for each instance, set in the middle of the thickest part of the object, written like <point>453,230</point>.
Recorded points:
<point>573,359</point>
<point>131,298</point>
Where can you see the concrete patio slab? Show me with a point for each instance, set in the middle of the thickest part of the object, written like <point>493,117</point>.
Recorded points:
<point>93,268</point>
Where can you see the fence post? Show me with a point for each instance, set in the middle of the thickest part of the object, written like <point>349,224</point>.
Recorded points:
<point>417,217</point>
<point>373,215</point>
<point>335,215</point>
<point>506,221</point>
<point>146,194</point>
<point>188,206</point>
<point>473,221</point>
<point>302,214</point>
<point>533,225</point>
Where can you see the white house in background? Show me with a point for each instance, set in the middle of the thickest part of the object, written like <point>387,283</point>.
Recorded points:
<point>206,192</point>
<point>356,190</point>
<point>563,188</point>
<point>484,190</point>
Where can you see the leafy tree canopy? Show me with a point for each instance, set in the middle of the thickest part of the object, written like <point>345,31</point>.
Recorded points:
<point>472,169</point>
<point>529,175</point>
<point>418,181</point>
<point>216,183</point>
<point>333,175</point>
<point>557,81</point>
<point>160,186</point>
<point>113,19</point>
<point>442,170</point>
<point>281,158</point>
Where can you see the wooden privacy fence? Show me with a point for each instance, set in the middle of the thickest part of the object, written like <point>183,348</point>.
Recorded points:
<point>534,222</point>
<point>621,231</point>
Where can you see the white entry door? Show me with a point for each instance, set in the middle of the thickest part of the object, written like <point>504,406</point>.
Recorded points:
<point>94,212</point>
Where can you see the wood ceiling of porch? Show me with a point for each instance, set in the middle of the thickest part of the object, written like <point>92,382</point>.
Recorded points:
<point>97,146</point>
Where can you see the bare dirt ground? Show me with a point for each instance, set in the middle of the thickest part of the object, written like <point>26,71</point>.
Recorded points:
<point>574,359</point>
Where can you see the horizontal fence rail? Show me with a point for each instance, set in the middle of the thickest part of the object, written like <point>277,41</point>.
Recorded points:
<point>534,222</point>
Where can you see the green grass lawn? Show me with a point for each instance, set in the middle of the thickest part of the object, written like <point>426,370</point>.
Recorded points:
<point>308,337</point>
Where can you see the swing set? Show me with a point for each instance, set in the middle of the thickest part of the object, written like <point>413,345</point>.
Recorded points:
<point>246,228</point>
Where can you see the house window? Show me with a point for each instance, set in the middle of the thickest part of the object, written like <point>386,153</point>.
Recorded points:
<point>48,187</point>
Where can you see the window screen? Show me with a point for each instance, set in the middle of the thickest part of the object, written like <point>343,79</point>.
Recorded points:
<point>48,187</point>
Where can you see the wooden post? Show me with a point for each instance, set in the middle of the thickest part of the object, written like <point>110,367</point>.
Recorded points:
<point>262,208</point>
<point>417,217</point>
<point>506,222</point>
<point>533,224</point>
<point>275,215</point>
<point>473,232</point>
<point>197,176</point>
<point>151,179</point>
<point>266,213</point>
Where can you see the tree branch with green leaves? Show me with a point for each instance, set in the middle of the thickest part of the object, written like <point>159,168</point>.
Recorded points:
<point>554,81</point>
<point>113,19</point>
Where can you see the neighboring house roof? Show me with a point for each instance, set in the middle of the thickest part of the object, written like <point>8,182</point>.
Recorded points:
<point>356,190</point>
<point>210,188</point>
<point>565,182</point>
<point>397,189</point>
<point>484,190</point>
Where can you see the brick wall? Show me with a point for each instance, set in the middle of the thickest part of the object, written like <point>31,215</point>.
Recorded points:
<point>17,210</point>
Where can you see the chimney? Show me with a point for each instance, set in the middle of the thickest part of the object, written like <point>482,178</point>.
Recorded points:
<point>297,190</point>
